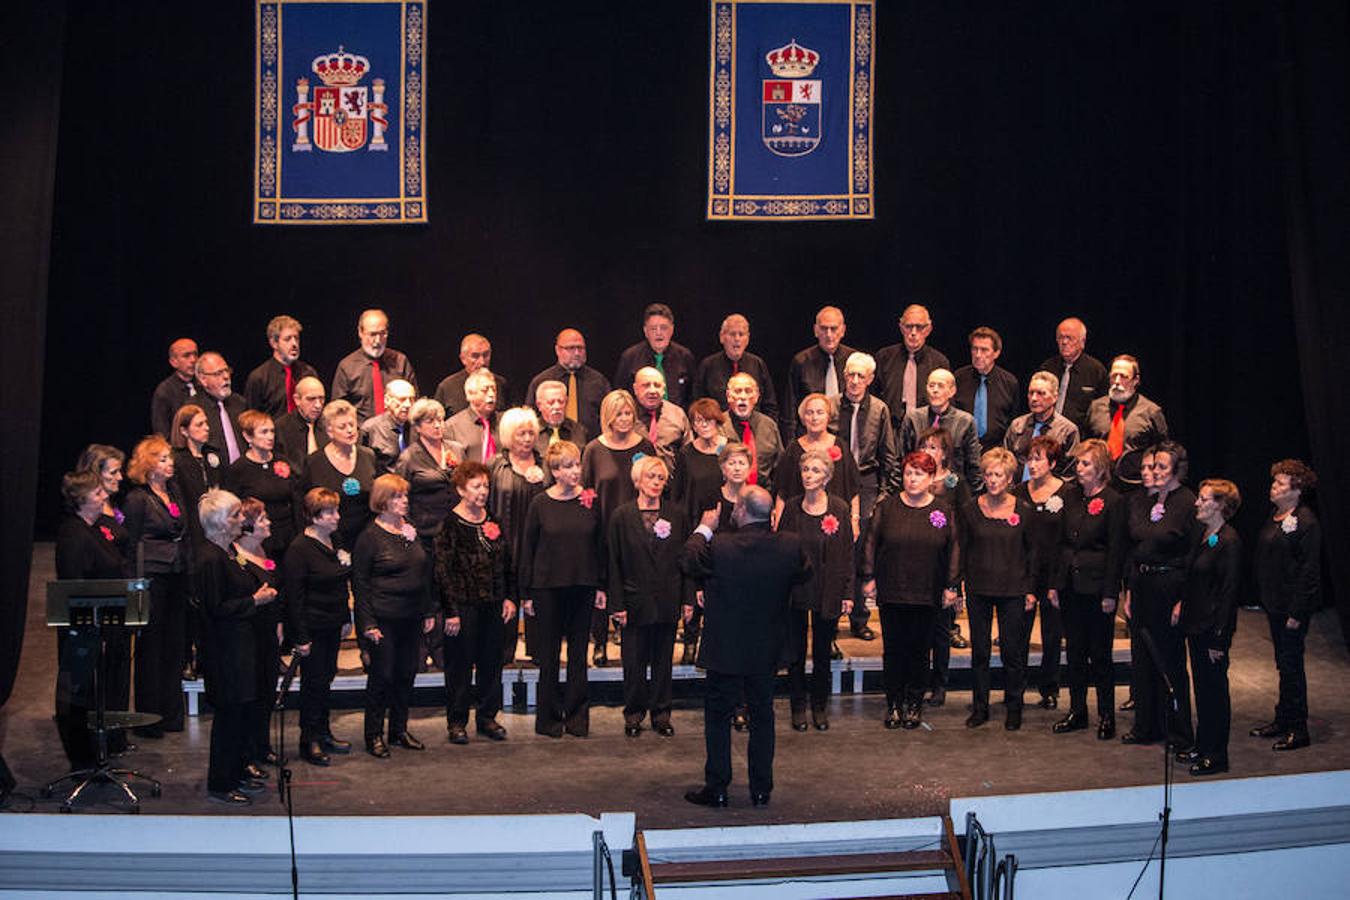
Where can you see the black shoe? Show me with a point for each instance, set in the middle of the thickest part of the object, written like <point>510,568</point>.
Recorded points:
<point>893,718</point>
<point>333,745</point>
<point>377,748</point>
<point>938,697</point>
<point>617,637</point>
<point>690,653</point>
<point>706,797</point>
<point>1294,740</point>
<point>1012,721</point>
<point>578,730</point>
<point>1207,766</point>
<point>251,787</point>
<point>665,729</point>
<point>492,730</point>
<point>1268,730</point>
<point>1106,729</point>
<point>549,731</point>
<point>407,742</point>
<point>600,658</point>
<point>759,798</point>
<point>863,633</point>
<point>835,652</point>
<point>229,798</point>
<point>958,640</point>
<point>457,735</point>
<point>1072,722</point>
<point>820,718</point>
<point>740,718</point>
<point>313,753</point>
<point>1189,755</point>
<point>632,730</point>
<point>1134,737</point>
<point>977,718</point>
<point>799,719</point>
<point>1049,701</point>
<point>252,770</point>
<point>913,716</point>
<point>1127,705</point>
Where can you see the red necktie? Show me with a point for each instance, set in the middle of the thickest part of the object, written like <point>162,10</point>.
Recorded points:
<point>748,438</point>
<point>735,367</point>
<point>651,429</point>
<point>290,390</point>
<point>1115,441</point>
<point>377,385</point>
<point>489,445</point>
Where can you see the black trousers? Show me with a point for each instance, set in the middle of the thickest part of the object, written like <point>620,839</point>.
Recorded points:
<point>268,654</point>
<point>823,630</point>
<point>1213,708</point>
<point>694,627</point>
<point>159,651</point>
<point>1088,635</point>
<point>393,668</point>
<point>1052,643</point>
<point>906,637</point>
<point>1011,652</point>
<point>563,613</point>
<point>858,618</point>
<point>478,646</point>
<point>229,739</point>
<point>1151,611</point>
<point>647,646</point>
<point>316,679</point>
<point>723,692</point>
<point>1291,710</point>
<point>940,636</point>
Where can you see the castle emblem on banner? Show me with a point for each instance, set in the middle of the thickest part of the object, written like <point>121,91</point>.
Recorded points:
<point>792,101</point>
<point>342,113</point>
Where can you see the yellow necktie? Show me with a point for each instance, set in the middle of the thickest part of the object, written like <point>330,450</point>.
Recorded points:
<point>571,411</point>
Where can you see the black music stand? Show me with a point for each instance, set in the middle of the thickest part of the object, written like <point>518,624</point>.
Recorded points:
<point>94,606</point>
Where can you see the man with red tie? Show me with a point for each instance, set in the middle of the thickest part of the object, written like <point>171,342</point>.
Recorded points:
<point>664,423</point>
<point>751,427</point>
<point>363,373</point>
<point>270,387</point>
<point>1128,421</point>
<point>475,426</point>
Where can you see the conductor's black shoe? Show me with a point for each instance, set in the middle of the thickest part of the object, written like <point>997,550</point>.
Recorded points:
<point>1135,737</point>
<point>863,633</point>
<point>1072,722</point>
<point>229,798</point>
<point>893,718</point>
<point>457,735</point>
<point>554,731</point>
<point>665,729</point>
<point>632,730</point>
<point>408,742</point>
<point>799,719</point>
<point>313,753</point>
<point>1106,729</point>
<point>1012,721</point>
<point>820,717</point>
<point>977,718</point>
<point>377,748</point>
<point>740,718</point>
<point>706,796</point>
<point>938,697</point>
<point>1049,701</point>
<point>1268,730</point>
<point>759,798</point>
<point>333,745</point>
<point>1127,705</point>
<point>1294,740</point>
<point>253,771</point>
<point>1207,766</point>
<point>492,730</point>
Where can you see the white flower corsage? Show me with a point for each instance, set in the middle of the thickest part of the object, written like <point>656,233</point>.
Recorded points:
<point>534,474</point>
<point>1290,524</point>
<point>1054,504</point>
<point>344,558</point>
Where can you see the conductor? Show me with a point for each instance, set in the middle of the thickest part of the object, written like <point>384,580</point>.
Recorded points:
<point>747,577</point>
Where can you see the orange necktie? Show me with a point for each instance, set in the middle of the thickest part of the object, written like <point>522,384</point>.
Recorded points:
<point>1115,441</point>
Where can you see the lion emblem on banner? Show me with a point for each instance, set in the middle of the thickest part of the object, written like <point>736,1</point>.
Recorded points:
<point>344,113</point>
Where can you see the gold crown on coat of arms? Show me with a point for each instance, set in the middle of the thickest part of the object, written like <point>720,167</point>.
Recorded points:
<point>340,69</point>
<point>792,60</point>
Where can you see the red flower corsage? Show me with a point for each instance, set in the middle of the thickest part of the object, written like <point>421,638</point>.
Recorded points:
<point>829,524</point>
<point>835,453</point>
<point>107,532</point>
<point>281,468</point>
<point>491,530</point>
<point>1014,520</point>
<point>1095,506</point>
<point>173,509</point>
<point>270,565</point>
<point>587,497</point>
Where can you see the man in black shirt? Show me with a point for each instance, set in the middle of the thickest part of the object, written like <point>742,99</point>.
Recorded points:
<point>179,388</point>
<point>733,358</point>
<point>751,427</point>
<point>363,373</point>
<point>475,352</point>
<point>661,352</point>
<point>818,369</point>
<point>585,386</point>
<point>221,405</point>
<point>1082,378</point>
<point>903,368</point>
<point>270,387</point>
<point>300,433</point>
<point>985,389</point>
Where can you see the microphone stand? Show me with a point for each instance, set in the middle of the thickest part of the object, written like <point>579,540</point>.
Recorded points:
<point>283,770</point>
<point>1155,657</point>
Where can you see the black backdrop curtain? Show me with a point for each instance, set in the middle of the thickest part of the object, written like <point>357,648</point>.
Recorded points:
<point>1117,161</point>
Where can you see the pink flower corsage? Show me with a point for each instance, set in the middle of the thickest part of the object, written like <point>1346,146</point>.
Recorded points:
<point>1155,512</point>
<point>835,453</point>
<point>409,533</point>
<point>1014,520</point>
<point>107,532</point>
<point>491,530</point>
<point>937,519</point>
<point>587,497</point>
<point>173,509</point>
<point>281,468</point>
<point>829,524</point>
<point>661,528</point>
<point>1095,506</point>
<point>270,565</point>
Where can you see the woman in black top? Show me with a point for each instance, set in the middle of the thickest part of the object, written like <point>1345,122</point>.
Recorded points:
<point>515,475</point>
<point>815,412</point>
<point>317,576</point>
<point>428,464</point>
<point>345,468</point>
<point>1161,526</point>
<point>821,520</point>
<point>197,466</point>
<point>953,491</point>
<point>249,551</point>
<point>85,549</point>
<point>912,568</point>
<point>1088,566</point>
<point>107,462</point>
<point>1288,580</point>
<point>1208,614</point>
<point>698,471</point>
<point>997,549</point>
<point>560,578</point>
<point>156,527</point>
<point>230,596</point>
<point>392,588</point>
<point>646,591</point>
<point>1043,491</point>
<point>606,468</point>
<point>477,580</point>
<point>260,473</point>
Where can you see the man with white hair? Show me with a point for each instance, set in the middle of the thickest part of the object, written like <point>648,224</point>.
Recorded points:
<point>475,352</point>
<point>1082,377</point>
<point>363,373</point>
<point>389,434</point>
<point>550,401</point>
<point>221,404</point>
<point>475,426</point>
<point>715,368</point>
<point>664,423</point>
<point>1128,421</point>
<point>940,413</point>
<point>1042,394</point>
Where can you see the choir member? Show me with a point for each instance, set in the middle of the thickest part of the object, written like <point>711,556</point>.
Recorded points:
<point>300,432</point>
<point>940,413</point>
<point>954,491</point>
<point>716,368</point>
<point>904,368</point>
<point>815,412</point>
<point>1041,421</point>
<point>394,605</point>
<point>270,388</point>
<point>197,466</point>
<point>823,522</point>
<point>476,578</point>
<point>221,404</point>
<point>156,528</point>
<point>317,576</point>
<point>1288,579</point>
<point>1128,421</point>
<point>249,551</point>
<point>1161,523</point>
<point>1044,492</point>
<point>1086,583</point>
<point>475,352</point>
<point>428,465</point>
<point>551,401</point>
<point>911,568</point>
<point>657,349</point>
<point>1082,377</point>
<point>986,390</point>
<point>107,463</point>
<point>229,596</point>
<point>343,467</point>
<point>363,373</point>
<point>999,555</point>
<point>475,425</point>
<point>388,433</point>
<point>697,481</point>
<point>585,387</point>
<point>819,369</point>
<point>1207,613</point>
<point>515,476</point>
<point>561,573</point>
<point>260,473</point>
<point>664,423</point>
<point>178,388</point>
<point>746,424</point>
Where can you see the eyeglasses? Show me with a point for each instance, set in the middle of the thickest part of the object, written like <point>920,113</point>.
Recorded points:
<point>218,372</point>
<point>913,326</point>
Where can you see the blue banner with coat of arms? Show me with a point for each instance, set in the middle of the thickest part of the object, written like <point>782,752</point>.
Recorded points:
<point>339,133</point>
<point>790,110</point>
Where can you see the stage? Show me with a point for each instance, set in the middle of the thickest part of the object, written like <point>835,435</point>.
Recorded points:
<point>856,770</point>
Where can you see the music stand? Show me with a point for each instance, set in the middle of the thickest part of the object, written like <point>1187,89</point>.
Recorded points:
<point>93,606</point>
